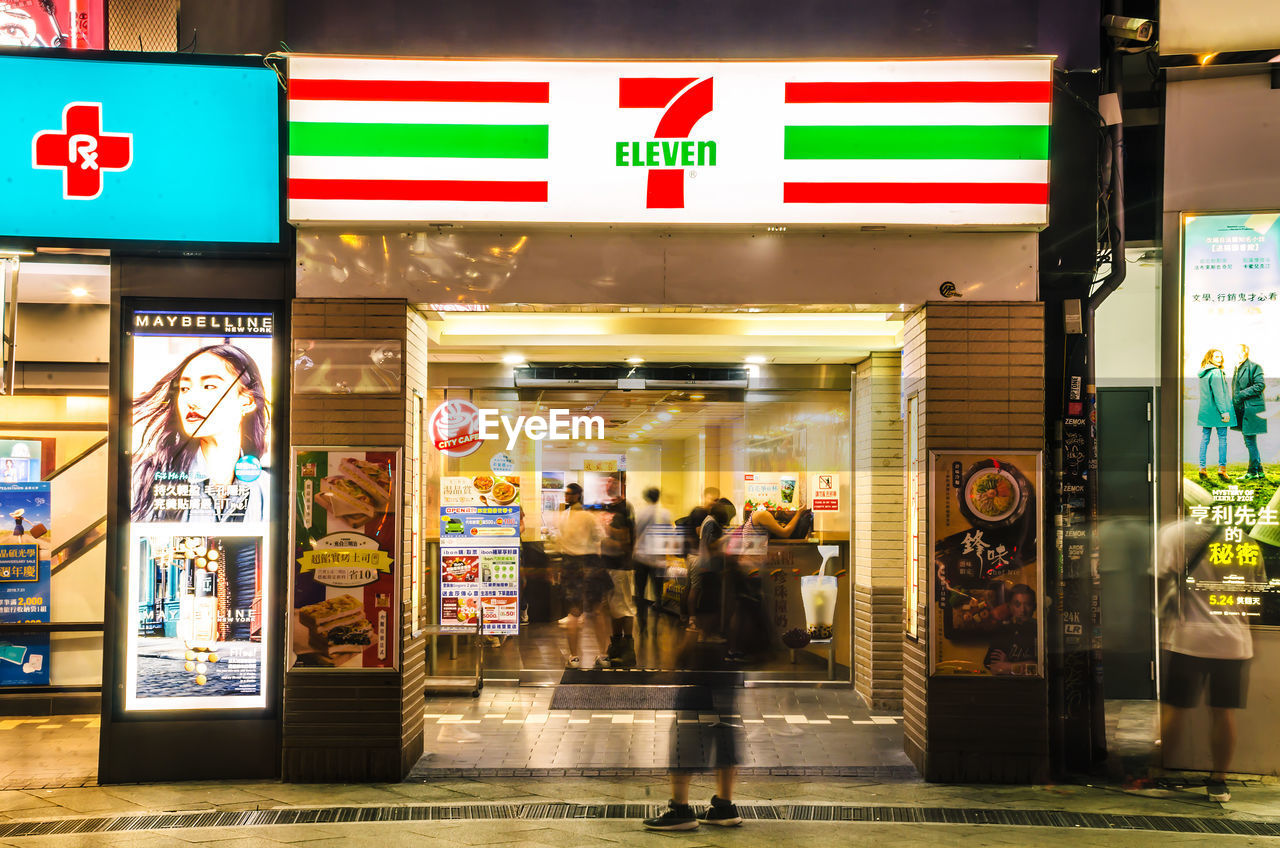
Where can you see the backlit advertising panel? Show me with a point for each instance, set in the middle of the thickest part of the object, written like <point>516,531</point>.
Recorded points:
<point>1231,393</point>
<point>200,493</point>
<point>146,153</point>
<point>72,24</point>
<point>939,142</point>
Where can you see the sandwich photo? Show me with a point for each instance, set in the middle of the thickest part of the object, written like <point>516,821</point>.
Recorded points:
<point>371,477</point>
<point>345,500</point>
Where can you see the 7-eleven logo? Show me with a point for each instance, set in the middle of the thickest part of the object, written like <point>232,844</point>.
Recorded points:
<point>684,101</point>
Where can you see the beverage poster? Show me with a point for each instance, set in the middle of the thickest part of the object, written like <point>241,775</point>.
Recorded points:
<point>201,492</point>
<point>480,567</point>
<point>1230,397</point>
<point>343,605</point>
<point>25,545</point>
<point>986,593</point>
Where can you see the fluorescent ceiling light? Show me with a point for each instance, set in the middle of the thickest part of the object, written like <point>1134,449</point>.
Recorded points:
<point>756,359</point>
<point>513,359</point>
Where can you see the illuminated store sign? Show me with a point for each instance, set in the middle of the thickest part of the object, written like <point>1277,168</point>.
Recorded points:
<point>140,152</point>
<point>201,489</point>
<point>458,427</point>
<point>71,24</point>
<point>951,142</point>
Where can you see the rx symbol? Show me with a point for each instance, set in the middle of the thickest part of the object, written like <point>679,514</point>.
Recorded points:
<point>82,151</point>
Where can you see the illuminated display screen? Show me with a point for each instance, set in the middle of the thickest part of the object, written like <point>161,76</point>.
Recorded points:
<point>1231,390</point>
<point>200,509</point>
<point>70,24</point>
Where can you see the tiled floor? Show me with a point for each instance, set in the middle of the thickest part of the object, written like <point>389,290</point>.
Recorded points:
<point>778,727</point>
<point>48,751</point>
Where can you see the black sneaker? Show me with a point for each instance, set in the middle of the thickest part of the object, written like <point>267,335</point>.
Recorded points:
<point>1218,791</point>
<point>626,655</point>
<point>677,817</point>
<point>721,813</point>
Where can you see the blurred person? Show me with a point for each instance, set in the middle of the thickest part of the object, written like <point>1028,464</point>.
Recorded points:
<point>712,742</point>
<point>1216,413</point>
<point>649,566</point>
<point>750,630</point>
<point>706,577</point>
<point>1247,388</point>
<point>582,581</point>
<point>1200,648</point>
<point>616,548</point>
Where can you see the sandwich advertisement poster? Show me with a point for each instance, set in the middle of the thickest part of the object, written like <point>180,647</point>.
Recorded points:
<point>986,587</point>
<point>25,519</point>
<point>345,569</point>
<point>201,488</point>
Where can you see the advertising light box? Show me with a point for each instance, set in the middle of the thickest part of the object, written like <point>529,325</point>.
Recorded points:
<point>71,24</point>
<point>140,152</point>
<point>943,143</point>
<point>201,487</point>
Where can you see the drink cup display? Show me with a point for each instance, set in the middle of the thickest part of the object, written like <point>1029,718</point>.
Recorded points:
<point>787,490</point>
<point>818,593</point>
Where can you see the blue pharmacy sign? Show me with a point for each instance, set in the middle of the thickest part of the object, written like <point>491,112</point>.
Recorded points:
<point>142,152</point>
<point>25,544</point>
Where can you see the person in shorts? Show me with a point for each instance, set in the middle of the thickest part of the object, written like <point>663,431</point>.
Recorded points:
<point>616,549</point>
<point>1202,653</point>
<point>583,583</point>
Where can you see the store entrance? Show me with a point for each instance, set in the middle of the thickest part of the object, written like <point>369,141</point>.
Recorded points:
<point>639,546</point>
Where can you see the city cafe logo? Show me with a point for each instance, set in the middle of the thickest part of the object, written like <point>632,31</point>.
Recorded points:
<point>684,101</point>
<point>458,427</point>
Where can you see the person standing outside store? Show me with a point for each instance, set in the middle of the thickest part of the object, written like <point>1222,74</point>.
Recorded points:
<point>616,549</point>
<point>582,580</point>
<point>1247,389</point>
<point>1217,411</point>
<point>1199,646</point>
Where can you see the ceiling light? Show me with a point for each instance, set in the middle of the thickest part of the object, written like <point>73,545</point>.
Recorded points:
<point>756,359</point>
<point>634,360</point>
<point>665,416</point>
<point>80,291</point>
<point>697,397</point>
<point>513,359</point>
<point>674,411</point>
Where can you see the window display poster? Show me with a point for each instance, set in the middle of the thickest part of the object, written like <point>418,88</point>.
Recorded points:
<point>480,568</point>
<point>73,24</point>
<point>25,519</point>
<point>480,490</point>
<point>345,574</point>
<point>1231,393</point>
<point>985,595</point>
<point>21,461</point>
<point>200,508</point>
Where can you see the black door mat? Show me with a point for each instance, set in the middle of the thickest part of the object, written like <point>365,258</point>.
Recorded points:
<point>631,697</point>
<point>653,677</point>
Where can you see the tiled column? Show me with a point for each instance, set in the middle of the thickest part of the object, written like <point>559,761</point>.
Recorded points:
<point>879,548</point>
<point>978,372</point>
<point>358,725</point>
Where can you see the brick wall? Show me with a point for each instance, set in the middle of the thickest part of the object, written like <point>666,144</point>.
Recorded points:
<point>978,370</point>
<point>878,538</point>
<point>352,725</point>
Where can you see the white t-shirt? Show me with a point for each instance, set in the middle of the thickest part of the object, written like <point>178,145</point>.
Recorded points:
<point>1193,629</point>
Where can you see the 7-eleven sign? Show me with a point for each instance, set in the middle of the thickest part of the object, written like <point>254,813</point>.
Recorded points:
<point>684,101</point>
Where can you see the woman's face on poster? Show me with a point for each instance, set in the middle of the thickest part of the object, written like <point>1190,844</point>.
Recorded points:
<point>205,406</point>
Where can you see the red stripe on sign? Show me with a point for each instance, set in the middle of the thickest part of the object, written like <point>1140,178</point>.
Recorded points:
<point>435,91</point>
<point>915,193</point>
<point>919,92</point>
<point>649,92</point>
<point>503,191</point>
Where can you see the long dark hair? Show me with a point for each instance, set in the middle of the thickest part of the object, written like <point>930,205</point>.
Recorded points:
<point>161,443</point>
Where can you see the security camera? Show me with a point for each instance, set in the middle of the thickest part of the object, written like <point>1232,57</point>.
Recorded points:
<point>1129,29</point>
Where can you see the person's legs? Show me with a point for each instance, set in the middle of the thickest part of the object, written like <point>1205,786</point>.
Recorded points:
<point>1255,458</point>
<point>680,787</point>
<point>1222,449</point>
<point>724,782</point>
<point>1222,740</point>
<point>1205,432</point>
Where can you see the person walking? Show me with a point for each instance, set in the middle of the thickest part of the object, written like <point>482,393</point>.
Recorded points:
<point>1217,411</point>
<point>582,581</point>
<point>649,567</point>
<point>1247,388</point>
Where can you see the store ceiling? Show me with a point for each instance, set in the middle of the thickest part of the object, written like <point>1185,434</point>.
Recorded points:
<point>63,282</point>
<point>698,335</point>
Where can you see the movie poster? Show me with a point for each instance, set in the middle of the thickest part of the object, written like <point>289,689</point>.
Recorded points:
<point>201,490</point>
<point>1231,394</point>
<point>25,545</point>
<point>986,592</point>
<point>72,24</point>
<point>345,570</point>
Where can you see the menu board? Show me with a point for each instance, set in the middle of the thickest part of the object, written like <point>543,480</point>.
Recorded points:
<point>345,542</point>
<point>985,595</point>
<point>201,488</point>
<point>480,567</point>
<point>25,521</point>
<point>1231,379</point>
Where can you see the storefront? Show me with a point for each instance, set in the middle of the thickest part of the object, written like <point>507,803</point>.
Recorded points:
<point>515,294</point>
<point>106,226</point>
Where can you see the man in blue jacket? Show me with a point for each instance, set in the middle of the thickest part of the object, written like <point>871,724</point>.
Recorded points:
<point>1247,388</point>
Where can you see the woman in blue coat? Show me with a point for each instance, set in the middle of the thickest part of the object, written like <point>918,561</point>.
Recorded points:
<point>1216,410</point>
<point>1247,388</point>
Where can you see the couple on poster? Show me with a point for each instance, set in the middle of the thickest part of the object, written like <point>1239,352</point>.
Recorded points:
<point>1239,405</point>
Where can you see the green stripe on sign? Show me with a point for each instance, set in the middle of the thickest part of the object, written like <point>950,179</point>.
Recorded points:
<point>453,141</point>
<point>930,142</point>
